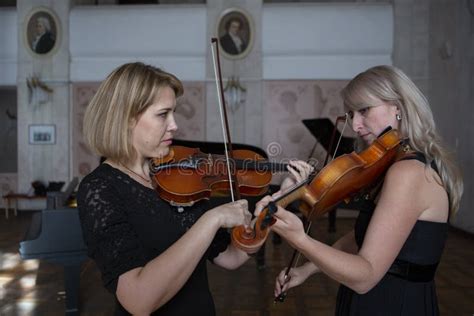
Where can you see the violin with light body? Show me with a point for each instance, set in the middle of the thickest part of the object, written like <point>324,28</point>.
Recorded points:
<point>340,179</point>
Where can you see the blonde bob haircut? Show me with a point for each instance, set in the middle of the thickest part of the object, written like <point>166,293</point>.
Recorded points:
<point>121,98</point>
<point>391,85</point>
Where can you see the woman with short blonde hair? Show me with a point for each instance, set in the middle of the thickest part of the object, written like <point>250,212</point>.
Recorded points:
<point>125,94</point>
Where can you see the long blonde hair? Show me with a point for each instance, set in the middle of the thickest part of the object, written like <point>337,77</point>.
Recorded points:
<point>125,94</point>
<point>391,85</point>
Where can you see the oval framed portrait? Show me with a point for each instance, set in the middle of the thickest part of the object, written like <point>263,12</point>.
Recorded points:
<point>236,32</point>
<point>42,32</point>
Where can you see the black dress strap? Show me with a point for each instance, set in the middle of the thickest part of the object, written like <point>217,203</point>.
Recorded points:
<point>420,157</point>
<point>413,272</point>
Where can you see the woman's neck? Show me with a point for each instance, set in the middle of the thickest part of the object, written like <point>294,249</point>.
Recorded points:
<point>137,170</point>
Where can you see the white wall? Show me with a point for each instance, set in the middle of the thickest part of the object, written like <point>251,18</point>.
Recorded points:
<point>298,42</point>
<point>302,42</point>
<point>310,41</point>
<point>325,41</point>
<point>104,37</point>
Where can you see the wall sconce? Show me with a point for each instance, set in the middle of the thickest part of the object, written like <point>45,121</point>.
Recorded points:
<point>235,94</point>
<point>38,92</point>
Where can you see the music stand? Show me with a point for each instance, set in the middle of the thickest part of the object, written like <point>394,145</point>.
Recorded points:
<point>322,129</point>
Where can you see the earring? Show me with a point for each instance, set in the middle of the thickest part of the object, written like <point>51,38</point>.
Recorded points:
<point>399,118</point>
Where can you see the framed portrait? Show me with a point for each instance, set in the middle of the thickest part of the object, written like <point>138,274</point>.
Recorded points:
<point>42,32</point>
<point>42,134</point>
<point>236,32</point>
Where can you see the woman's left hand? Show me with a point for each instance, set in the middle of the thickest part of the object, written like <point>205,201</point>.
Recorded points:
<point>288,226</point>
<point>299,171</point>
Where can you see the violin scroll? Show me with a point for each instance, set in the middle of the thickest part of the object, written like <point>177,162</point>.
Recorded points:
<point>250,240</point>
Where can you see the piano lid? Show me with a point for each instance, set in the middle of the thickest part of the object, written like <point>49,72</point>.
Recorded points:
<point>54,235</point>
<point>322,128</point>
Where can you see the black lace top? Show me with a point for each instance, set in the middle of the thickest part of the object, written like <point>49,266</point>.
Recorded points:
<point>126,224</point>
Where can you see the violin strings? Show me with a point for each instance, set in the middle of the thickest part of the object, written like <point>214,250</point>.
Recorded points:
<point>290,189</point>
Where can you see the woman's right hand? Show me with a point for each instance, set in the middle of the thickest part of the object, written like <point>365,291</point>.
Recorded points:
<point>295,277</point>
<point>233,214</point>
<point>298,171</point>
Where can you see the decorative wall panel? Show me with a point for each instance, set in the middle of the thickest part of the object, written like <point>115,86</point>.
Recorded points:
<point>286,104</point>
<point>83,160</point>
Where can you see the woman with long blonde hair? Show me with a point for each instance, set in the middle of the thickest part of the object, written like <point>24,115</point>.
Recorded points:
<point>387,264</point>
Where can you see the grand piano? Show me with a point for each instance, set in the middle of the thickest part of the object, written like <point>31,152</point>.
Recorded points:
<point>55,235</point>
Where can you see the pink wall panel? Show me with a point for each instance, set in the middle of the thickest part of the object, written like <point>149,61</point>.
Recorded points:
<point>286,104</point>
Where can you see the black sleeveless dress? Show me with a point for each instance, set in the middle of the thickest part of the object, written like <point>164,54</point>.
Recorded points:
<point>411,292</point>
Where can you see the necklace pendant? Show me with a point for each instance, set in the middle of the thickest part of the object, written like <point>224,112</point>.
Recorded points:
<point>138,175</point>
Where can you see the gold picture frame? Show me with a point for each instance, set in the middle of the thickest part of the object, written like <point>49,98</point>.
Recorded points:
<point>235,30</point>
<point>42,32</point>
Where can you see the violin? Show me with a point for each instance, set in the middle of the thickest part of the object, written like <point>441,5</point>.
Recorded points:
<point>187,175</point>
<point>339,180</point>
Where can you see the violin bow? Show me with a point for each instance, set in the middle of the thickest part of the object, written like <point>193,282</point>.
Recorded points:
<point>233,184</point>
<point>296,254</point>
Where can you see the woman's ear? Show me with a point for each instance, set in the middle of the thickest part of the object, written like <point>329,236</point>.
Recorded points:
<point>132,122</point>
<point>398,114</point>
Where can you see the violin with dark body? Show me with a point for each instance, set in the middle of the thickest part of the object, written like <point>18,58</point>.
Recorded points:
<point>187,175</point>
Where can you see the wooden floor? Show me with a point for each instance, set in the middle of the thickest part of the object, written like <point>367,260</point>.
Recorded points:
<point>31,287</point>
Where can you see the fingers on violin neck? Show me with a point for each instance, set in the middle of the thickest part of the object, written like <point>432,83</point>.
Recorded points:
<point>272,208</point>
<point>268,220</point>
